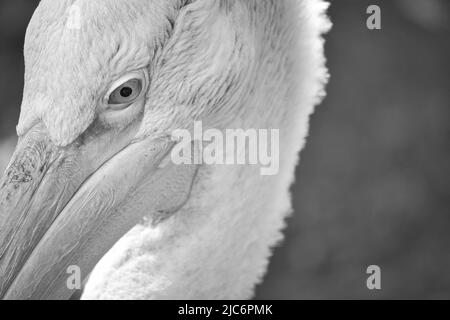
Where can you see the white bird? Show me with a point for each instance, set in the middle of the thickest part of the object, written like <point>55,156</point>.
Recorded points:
<point>89,184</point>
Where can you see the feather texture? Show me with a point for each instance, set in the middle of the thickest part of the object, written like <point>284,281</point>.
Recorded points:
<point>245,64</point>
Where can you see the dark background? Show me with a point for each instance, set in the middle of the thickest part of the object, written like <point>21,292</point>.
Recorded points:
<point>373,185</point>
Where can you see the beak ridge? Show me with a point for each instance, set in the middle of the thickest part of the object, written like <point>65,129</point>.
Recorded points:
<point>59,209</point>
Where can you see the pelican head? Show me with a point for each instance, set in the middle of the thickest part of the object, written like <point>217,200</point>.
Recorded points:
<point>91,183</point>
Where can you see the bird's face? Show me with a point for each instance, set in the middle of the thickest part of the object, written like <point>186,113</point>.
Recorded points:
<point>102,94</point>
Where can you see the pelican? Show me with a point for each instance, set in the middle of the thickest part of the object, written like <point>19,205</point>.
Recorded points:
<point>91,184</point>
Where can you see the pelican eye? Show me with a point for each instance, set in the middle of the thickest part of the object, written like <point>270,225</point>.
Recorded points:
<point>126,93</point>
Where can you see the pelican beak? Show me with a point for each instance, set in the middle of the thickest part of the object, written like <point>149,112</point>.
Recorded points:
<point>65,207</point>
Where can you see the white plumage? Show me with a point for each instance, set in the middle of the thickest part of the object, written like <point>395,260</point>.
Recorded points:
<point>232,64</point>
<point>219,245</point>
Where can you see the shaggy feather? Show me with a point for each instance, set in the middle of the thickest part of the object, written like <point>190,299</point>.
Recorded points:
<point>233,64</point>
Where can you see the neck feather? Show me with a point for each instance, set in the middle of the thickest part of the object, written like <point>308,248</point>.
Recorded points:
<point>218,245</point>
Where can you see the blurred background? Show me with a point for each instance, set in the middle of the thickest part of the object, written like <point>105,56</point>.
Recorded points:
<point>373,184</point>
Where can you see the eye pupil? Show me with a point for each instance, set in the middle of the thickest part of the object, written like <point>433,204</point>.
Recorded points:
<point>126,92</point>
